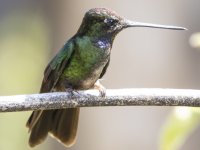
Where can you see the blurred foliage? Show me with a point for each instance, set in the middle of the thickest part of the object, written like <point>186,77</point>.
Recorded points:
<point>195,40</point>
<point>24,46</point>
<point>183,120</point>
<point>180,123</point>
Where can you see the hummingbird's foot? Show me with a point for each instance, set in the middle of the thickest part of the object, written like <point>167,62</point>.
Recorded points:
<point>100,88</point>
<point>71,91</point>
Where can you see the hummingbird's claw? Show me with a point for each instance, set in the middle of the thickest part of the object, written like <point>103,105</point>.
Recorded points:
<point>100,88</point>
<point>71,91</point>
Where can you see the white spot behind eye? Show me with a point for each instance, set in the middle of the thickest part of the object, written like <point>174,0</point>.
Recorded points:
<point>105,20</point>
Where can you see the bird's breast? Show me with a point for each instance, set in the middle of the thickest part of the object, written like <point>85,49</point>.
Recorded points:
<point>86,64</point>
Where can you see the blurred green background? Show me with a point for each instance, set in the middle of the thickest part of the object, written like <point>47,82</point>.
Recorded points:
<point>32,31</point>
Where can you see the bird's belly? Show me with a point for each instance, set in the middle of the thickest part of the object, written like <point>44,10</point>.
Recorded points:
<point>89,81</point>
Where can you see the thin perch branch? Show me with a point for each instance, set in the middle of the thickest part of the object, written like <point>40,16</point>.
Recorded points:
<point>91,98</point>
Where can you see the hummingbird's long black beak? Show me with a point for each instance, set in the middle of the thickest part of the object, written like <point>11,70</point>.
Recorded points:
<point>129,23</point>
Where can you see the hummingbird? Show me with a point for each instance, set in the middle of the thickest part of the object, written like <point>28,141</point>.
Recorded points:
<point>79,65</point>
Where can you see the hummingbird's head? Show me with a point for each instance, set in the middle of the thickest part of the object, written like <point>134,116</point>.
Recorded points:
<point>104,22</point>
<point>101,22</point>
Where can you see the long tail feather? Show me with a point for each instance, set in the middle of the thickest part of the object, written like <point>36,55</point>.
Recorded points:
<point>62,123</point>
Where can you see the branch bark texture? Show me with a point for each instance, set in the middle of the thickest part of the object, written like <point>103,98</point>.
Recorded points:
<point>91,98</point>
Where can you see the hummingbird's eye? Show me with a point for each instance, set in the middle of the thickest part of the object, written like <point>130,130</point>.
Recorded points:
<point>109,21</point>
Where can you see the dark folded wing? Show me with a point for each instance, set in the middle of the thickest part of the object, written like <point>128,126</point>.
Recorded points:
<point>51,75</point>
<point>56,67</point>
